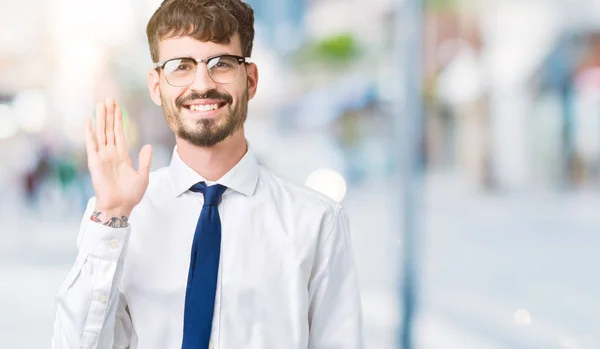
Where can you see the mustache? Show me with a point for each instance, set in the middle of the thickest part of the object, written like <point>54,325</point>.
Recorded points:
<point>210,94</point>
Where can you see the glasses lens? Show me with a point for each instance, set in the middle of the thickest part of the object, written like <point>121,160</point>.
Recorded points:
<point>223,69</point>
<point>180,71</point>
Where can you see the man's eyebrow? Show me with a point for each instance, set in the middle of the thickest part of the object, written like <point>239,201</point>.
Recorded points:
<point>176,57</point>
<point>209,57</point>
<point>223,54</point>
<point>183,56</point>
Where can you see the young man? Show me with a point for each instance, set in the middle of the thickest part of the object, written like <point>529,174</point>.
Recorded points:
<point>213,251</point>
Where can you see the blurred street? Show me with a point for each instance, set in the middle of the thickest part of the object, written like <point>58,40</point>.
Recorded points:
<point>481,263</point>
<point>508,142</point>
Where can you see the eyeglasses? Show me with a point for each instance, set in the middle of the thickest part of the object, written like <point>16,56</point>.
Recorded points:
<point>222,69</point>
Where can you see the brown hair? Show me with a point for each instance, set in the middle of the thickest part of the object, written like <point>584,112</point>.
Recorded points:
<point>205,20</point>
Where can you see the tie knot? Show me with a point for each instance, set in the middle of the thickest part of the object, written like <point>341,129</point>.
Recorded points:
<point>212,194</point>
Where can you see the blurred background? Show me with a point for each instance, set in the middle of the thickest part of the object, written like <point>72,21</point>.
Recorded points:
<point>503,153</point>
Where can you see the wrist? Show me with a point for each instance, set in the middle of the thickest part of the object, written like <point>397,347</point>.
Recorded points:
<point>112,217</point>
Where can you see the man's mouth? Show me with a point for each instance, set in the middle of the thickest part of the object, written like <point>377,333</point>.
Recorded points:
<point>204,106</point>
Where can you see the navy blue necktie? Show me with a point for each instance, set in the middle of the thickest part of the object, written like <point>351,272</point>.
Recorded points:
<point>204,269</point>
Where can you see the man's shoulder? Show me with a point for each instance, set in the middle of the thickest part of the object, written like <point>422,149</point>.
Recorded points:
<point>284,190</point>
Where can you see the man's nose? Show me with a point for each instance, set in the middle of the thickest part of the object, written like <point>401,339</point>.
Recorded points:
<point>202,80</point>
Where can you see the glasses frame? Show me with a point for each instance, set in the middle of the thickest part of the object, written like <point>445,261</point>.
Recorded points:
<point>240,59</point>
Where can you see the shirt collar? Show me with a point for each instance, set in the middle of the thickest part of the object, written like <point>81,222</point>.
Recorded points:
<point>243,177</point>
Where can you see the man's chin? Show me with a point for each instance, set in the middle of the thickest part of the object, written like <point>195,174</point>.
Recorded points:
<point>202,138</point>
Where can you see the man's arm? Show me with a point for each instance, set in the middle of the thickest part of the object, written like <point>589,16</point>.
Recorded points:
<point>90,311</point>
<point>335,314</point>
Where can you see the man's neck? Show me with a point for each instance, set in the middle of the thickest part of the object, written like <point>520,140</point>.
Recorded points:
<point>214,162</point>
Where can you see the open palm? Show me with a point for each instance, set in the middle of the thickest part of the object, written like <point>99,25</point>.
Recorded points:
<point>117,184</point>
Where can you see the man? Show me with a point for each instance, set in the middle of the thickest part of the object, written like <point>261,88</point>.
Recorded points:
<point>213,251</point>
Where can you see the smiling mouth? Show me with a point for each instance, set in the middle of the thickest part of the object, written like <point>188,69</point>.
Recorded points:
<point>204,107</point>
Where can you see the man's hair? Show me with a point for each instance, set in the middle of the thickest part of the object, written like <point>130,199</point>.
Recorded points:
<point>204,20</point>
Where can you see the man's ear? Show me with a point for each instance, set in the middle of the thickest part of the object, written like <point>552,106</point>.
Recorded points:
<point>252,79</point>
<point>154,86</point>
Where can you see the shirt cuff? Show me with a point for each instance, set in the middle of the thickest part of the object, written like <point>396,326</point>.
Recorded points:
<point>104,242</point>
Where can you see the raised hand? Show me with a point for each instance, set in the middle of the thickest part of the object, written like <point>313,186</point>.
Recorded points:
<point>117,185</point>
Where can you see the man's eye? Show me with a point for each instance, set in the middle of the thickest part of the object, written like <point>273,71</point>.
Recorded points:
<point>223,64</point>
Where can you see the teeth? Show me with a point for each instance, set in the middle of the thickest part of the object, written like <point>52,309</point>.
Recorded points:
<point>203,107</point>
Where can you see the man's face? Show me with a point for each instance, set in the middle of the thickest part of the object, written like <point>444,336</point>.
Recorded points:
<point>185,108</point>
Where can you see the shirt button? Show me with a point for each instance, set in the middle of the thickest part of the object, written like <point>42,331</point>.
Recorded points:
<point>101,298</point>
<point>114,244</point>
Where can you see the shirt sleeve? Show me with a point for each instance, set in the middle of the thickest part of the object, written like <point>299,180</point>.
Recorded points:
<point>335,312</point>
<point>91,313</point>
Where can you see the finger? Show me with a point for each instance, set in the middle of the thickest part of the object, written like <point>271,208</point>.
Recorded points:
<point>90,141</point>
<point>144,160</point>
<point>110,122</point>
<point>119,133</point>
<point>100,125</point>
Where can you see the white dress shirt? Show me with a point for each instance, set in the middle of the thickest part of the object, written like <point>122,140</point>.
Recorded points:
<point>286,279</point>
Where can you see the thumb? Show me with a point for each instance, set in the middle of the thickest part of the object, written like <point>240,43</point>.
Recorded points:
<point>144,160</point>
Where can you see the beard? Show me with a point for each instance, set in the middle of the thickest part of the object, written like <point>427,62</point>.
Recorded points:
<point>207,132</point>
